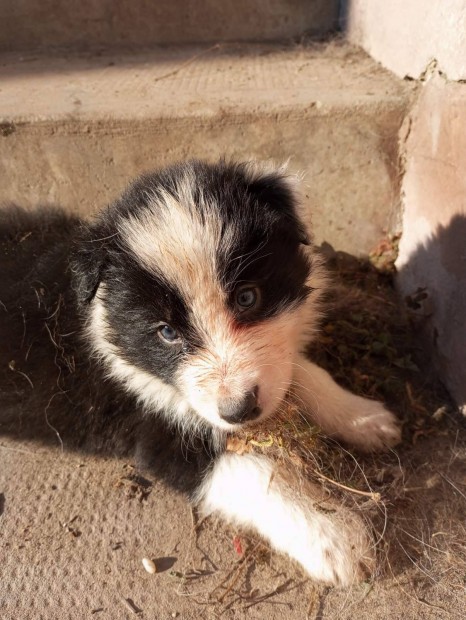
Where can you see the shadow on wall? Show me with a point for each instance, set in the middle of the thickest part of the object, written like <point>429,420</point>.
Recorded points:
<point>433,281</point>
<point>345,11</point>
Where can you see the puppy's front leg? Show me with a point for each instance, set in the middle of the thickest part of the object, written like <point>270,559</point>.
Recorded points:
<point>333,545</point>
<point>361,422</point>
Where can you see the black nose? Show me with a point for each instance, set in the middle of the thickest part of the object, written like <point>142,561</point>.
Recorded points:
<point>238,410</point>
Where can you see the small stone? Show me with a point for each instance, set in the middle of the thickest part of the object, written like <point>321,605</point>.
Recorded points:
<point>149,565</point>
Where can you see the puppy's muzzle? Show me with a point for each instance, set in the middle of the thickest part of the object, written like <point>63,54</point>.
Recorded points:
<point>238,410</point>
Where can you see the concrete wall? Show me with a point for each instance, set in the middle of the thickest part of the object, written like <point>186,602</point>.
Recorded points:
<point>426,40</point>
<point>75,130</point>
<point>433,246</point>
<point>89,24</point>
<point>406,36</point>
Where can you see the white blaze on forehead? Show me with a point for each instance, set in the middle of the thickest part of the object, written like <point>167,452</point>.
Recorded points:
<point>180,242</point>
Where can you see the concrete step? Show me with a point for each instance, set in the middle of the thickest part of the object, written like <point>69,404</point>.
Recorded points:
<point>87,24</point>
<point>74,130</point>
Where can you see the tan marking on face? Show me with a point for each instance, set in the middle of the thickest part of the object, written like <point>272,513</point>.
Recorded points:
<point>236,360</point>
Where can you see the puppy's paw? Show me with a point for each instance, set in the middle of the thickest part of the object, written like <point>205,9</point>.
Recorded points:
<point>370,426</point>
<point>343,554</point>
<point>296,516</point>
<point>360,422</point>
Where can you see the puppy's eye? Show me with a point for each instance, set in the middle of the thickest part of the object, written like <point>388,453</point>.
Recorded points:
<point>168,333</point>
<point>246,297</point>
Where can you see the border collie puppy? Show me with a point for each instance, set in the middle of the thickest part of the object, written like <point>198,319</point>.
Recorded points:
<point>177,317</point>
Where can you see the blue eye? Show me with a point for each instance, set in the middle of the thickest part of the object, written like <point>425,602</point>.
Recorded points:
<point>168,333</point>
<point>246,297</point>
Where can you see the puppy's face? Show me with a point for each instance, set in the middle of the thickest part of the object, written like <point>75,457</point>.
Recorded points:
<point>197,282</point>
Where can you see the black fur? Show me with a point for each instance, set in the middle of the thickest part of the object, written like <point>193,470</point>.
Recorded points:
<point>136,309</point>
<point>268,232</point>
<point>51,389</point>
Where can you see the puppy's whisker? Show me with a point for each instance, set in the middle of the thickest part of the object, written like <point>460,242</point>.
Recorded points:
<point>245,266</point>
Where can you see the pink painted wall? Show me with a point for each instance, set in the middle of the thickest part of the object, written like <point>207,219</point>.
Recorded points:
<point>433,244</point>
<point>426,40</point>
<point>407,35</point>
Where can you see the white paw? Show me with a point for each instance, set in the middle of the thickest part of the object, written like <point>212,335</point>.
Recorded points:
<point>329,541</point>
<point>342,554</point>
<point>369,426</point>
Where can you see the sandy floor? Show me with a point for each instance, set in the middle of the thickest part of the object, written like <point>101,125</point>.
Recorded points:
<point>74,529</point>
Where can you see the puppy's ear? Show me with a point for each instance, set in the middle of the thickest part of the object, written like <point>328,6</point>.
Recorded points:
<point>88,263</point>
<point>280,191</point>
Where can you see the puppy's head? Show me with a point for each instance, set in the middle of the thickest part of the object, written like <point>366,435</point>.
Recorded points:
<point>198,284</point>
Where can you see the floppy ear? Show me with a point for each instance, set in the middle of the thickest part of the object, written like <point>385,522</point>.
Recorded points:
<point>281,192</point>
<point>88,263</point>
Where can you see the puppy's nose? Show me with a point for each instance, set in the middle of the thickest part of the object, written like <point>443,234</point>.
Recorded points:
<point>238,410</point>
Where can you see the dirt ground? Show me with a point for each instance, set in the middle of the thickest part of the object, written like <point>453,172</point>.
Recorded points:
<point>74,528</point>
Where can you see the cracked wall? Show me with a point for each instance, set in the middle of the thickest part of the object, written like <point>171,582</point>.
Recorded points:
<point>433,245</point>
<point>427,42</point>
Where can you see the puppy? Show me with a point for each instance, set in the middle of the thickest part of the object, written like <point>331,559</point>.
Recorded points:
<point>177,317</point>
